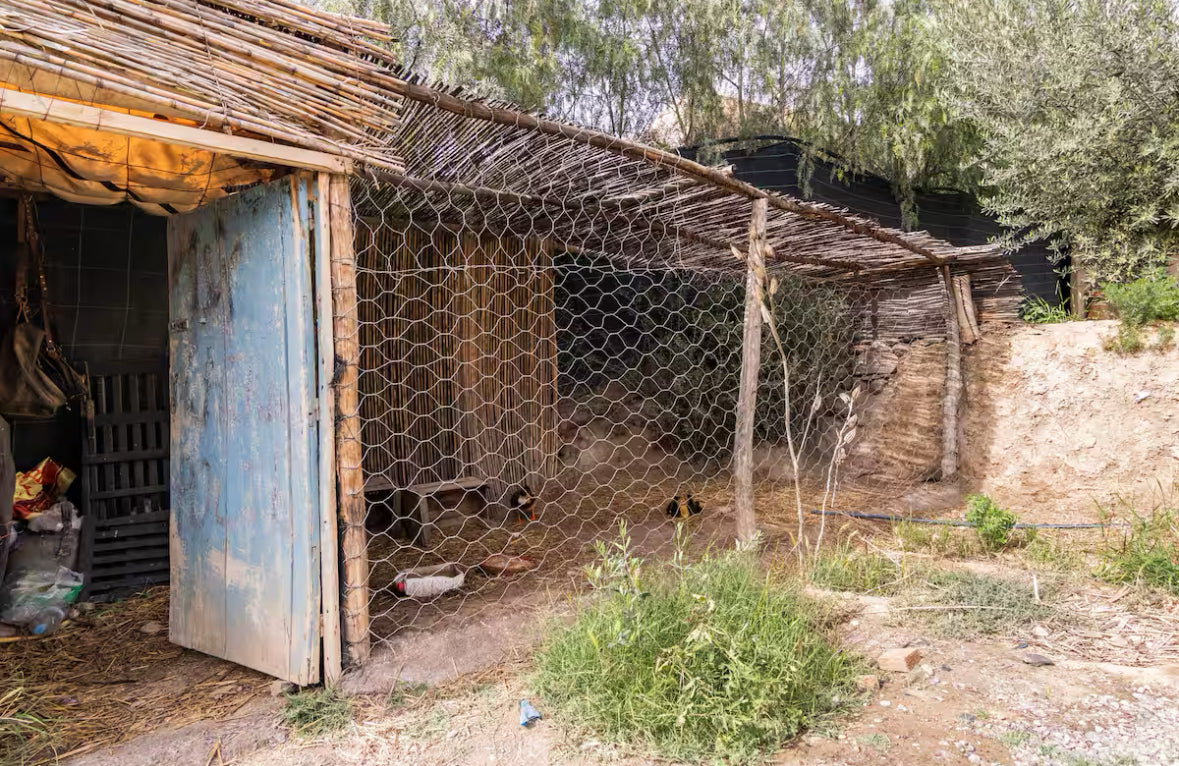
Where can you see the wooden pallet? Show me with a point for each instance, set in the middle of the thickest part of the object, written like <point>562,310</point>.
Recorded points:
<point>125,477</point>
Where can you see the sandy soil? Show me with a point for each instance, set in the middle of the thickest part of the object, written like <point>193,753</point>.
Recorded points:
<point>1056,426</point>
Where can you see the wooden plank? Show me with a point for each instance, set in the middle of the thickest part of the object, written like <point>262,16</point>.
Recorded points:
<point>126,492</point>
<point>326,438</point>
<point>198,314</point>
<point>139,518</point>
<point>302,453</point>
<point>38,107</point>
<point>127,457</point>
<point>349,448</point>
<point>121,418</point>
<point>121,533</point>
<point>750,364</point>
<point>952,398</point>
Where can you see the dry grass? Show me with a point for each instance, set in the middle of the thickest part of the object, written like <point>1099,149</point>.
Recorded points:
<point>99,680</point>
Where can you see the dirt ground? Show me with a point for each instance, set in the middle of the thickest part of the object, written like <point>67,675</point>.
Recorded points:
<point>972,702</point>
<point>1052,429</point>
<point>1057,427</point>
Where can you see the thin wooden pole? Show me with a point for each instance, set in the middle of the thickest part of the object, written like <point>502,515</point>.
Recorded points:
<point>349,450</point>
<point>952,400</point>
<point>329,546</point>
<point>750,363</point>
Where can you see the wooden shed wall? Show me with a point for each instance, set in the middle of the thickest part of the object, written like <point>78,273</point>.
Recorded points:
<point>458,356</point>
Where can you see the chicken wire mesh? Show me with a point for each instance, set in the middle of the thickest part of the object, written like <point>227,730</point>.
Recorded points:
<point>520,397</point>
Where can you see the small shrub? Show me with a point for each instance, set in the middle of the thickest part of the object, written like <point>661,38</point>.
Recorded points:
<point>1165,338</point>
<point>315,712</point>
<point>1036,310</point>
<point>1148,554</point>
<point>702,661</point>
<point>993,524</point>
<point>850,569</point>
<point>1127,340</point>
<point>1150,299</point>
<point>971,605</point>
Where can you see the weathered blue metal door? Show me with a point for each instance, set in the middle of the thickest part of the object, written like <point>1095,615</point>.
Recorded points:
<point>245,524</point>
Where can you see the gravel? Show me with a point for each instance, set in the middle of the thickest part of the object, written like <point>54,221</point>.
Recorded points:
<point>1099,730</point>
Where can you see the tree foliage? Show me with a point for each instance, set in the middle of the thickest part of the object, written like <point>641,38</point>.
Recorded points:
<point>1061,113</point>
<point>1077,103</point>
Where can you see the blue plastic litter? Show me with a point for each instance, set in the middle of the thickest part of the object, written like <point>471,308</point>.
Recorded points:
<point>528,714</point>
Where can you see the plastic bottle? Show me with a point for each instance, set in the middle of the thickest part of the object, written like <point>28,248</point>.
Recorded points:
<point>47,620</point>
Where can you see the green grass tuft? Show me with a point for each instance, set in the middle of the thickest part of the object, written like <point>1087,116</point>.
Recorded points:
<point>1146,555</point>
<point>24,736</point>
<point>965,605</point>
<point>706,661</point>
<point>846,568</point>
<point>1036,310</point>
<point>315,712</point>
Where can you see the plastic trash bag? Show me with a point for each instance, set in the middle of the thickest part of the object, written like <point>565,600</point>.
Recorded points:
<point>28,594</point>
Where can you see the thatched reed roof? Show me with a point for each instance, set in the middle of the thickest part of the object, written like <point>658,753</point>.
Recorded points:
<point>269,68</point>
<point>301,77</point>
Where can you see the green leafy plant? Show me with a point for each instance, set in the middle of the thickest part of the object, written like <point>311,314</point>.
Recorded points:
<point>1152,298</point>
<point>710,660</point>
<point>1036,310</point>
<point>993,523</point>
<point>25,736</point>
<point>315,712</point>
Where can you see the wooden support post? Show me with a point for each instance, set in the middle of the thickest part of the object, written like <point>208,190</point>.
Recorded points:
<point>329,544</point>
<point>952,400</point>
<point>349,450</point>
<point>1078,293</point>
<point>964,306</point>
<point>750,364</point>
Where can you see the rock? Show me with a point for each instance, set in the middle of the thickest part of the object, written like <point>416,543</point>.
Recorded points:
<point>1040,631</point>
<point>899,660</point>
<point>1036,659</point>
<point>279,688</point>
<point>1141,396</point>
<point>868,683</point>
<point>151,628</point>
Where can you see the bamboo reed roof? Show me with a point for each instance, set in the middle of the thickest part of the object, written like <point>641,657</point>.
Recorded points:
<point>266,68</point>
<point>298,76</point>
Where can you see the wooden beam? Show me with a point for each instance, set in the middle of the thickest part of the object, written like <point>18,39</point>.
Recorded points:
<point>750,365</point>
<point>38,107</point>
<point>349,450</point>
<point>952,399</point>
<point>329,544</point>
<point>964,305</point>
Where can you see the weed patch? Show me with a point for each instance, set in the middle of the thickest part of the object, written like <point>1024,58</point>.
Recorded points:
<point>965,605</point>
<point>1036,310</point>
<point>22,735</point>
<point>1152,298</point>
<point>1147,555</point>
<point>711,660</point>
<point>315,712</point>
<point>847,568</point>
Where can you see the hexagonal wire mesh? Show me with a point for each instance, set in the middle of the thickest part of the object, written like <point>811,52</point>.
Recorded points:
<point>550,343</point>
<point>519,398</point>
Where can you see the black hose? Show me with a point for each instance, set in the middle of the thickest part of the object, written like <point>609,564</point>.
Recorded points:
<point>947,522</point>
